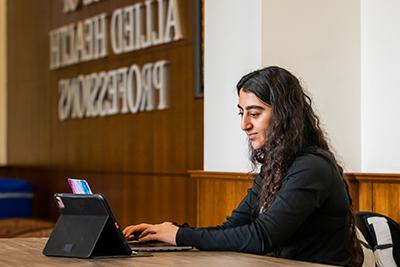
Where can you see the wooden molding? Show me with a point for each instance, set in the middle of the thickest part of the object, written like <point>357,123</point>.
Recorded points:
<point>350,176</point>
<point>375,177</point>
<point>198,174</point>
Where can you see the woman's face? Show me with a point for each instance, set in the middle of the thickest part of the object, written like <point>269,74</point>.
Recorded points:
<point>256,118</point>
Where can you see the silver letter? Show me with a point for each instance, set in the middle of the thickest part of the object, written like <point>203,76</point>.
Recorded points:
<point>173,23</point>
<point>116,31</point>
<point>160,83</point>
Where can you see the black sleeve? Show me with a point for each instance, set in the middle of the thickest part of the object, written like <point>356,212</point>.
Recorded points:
<point>302,191</point>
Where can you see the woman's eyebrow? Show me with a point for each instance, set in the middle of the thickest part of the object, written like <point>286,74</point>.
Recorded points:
<point>251,107</point>
<point>255,107</point>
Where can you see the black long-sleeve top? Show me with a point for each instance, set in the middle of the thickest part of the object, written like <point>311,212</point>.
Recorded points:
<point>307,219</point>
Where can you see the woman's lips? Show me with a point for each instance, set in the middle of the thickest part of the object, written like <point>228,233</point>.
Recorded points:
<point>252,136</point>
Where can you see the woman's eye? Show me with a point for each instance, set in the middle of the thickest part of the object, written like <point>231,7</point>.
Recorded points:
<point>254,115</point>
<point>240,114</point>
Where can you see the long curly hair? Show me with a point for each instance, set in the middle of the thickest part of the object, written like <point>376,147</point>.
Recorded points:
<point>294,129</point>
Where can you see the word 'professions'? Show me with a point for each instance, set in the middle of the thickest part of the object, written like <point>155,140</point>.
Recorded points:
<point>131,29</point>
<point>123,90</point>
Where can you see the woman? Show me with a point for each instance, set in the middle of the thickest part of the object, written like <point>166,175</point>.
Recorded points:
<point>299,206</point>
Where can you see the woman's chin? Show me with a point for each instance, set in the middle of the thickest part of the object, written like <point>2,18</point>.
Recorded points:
<point>256,145</point>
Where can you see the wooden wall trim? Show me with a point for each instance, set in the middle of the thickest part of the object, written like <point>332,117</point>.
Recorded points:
<point>350,176</point>
<point>375,177</point>
<point>221,175</point>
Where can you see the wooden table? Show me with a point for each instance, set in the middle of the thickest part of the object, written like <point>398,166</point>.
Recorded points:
<point>28,252</point>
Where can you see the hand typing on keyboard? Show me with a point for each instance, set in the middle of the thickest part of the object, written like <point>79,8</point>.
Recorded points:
<point>165,232</point>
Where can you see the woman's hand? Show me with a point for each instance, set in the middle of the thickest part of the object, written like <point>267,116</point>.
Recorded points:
<point>165,232</point>
<point>132,232</point>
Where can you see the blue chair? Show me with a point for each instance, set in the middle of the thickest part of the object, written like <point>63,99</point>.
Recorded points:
<point>15,198</point>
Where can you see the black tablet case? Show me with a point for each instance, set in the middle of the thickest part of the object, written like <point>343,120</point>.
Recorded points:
<point>86,228</point>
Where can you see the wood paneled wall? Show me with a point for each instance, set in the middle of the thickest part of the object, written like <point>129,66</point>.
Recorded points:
<point>379,192</point>
<point>218,193</point>
<point>133,197</point>
<point>139,161</point>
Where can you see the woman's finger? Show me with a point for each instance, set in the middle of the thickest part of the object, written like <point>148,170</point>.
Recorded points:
<point>127,231</point>
<point>132,229</point>
<point>149,237</point>
<point>149,230</point>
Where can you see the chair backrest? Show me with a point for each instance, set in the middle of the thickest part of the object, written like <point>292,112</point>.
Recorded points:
<point>383,236</point>
<point>369,256</point>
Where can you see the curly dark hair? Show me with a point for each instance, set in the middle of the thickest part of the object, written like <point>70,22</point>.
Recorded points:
<point>294,128</point>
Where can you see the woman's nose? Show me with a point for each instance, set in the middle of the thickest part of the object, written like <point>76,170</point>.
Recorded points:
<point>245,123</point>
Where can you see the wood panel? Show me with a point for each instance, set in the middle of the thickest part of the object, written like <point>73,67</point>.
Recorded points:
<point>139,161</point>
<point>218,194</point>
<point>354,191</point>
<point>386,199</point>
<point>28,92</point>
<point>365,196</point>
<point>379,192</point>
<point>134,198</point>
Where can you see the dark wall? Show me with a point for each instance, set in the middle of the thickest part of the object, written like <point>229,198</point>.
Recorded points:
<point>139,161</point>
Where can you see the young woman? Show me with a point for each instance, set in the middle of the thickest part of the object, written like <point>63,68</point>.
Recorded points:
<point>299,206</point>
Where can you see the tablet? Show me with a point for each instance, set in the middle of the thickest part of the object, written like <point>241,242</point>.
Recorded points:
<point>86,228</point>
